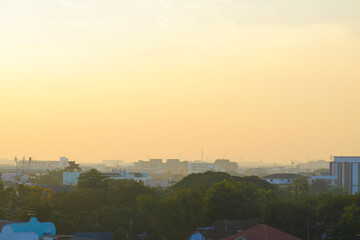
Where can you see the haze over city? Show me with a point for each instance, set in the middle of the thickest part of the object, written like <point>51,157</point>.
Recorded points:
<point>179,119</point>
<point>243,80</point>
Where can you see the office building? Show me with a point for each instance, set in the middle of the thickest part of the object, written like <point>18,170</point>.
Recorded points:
<point>344,173</point>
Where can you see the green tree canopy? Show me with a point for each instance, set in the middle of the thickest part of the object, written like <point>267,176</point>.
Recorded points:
<point>92,179</point>
<point>204,181</point>
<point>234,200</point>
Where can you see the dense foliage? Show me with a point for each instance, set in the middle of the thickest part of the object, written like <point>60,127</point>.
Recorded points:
<point>128,208</point>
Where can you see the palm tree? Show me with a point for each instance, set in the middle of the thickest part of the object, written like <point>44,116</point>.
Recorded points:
<point>72,167</point>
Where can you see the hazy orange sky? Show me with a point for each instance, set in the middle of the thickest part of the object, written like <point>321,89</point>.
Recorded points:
<point>277,80</point>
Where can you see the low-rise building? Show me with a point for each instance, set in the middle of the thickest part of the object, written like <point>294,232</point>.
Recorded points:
<point>8,233</point>
<point>282,178</point>
<point>28,230</point>
<point>136,176</point>
<point>72,178</point>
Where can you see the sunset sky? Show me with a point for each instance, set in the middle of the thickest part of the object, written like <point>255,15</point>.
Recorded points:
<point>276,80</point>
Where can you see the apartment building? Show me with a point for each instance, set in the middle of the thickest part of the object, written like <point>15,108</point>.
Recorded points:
<point>344,173</point>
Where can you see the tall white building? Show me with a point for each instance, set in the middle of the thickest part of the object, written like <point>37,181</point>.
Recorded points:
<point>344,173</point>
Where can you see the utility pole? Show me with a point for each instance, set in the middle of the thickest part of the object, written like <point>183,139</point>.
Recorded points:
<point>308,228</point>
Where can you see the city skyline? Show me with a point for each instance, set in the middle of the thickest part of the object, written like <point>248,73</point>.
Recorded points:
<point>201,158</point>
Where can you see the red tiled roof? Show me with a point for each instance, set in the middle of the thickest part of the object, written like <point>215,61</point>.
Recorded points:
<point>261,232</point>
<point>223,228</point>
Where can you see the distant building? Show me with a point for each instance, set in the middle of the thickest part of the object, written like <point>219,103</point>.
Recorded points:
<point>176,166</point>
<point>344,173</point>
<point>15,178</point>
<point>64,161</point>
<point>136,176</point>
<point>72,178</point>
<point>113,163</point>
<point>142,166</point>
<point>282,178</point>
<point>42,166</point>
<point>8,176</point>
<point>224,165</point>
<point>172,164</point>
<point>313,165</point>
<point>153,165</point>
<point>200,167</point>
<point>158,166</point>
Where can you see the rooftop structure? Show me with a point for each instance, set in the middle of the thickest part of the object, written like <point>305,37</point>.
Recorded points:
<point>72,178</point>
<point>282,178</point>
<point>26,230</point>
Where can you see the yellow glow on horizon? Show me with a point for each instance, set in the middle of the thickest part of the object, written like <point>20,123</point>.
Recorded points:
<point>248,80</point>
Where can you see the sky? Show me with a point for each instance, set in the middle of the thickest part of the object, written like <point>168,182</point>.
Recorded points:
<point>248,80</point>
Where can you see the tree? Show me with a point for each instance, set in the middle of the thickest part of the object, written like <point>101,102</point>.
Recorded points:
<point>72,167</point>
<point>52,177</point>
<point>291,216</point>
<point>64,225</point>
<point>182,212</point>
<point>319,186</point>
<point>92,179</point>
<point>300,187</point>
<point>124,192</point>
<point>349,225</point>
<point>3,197</point>
<point>330,208</point>
<point>234,200</point>
<point>151,212</point>
<point>204,181</point>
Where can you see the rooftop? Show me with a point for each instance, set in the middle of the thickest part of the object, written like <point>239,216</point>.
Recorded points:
<point>220,229</point>
<point>283,176</point>
<point>261,232</point>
